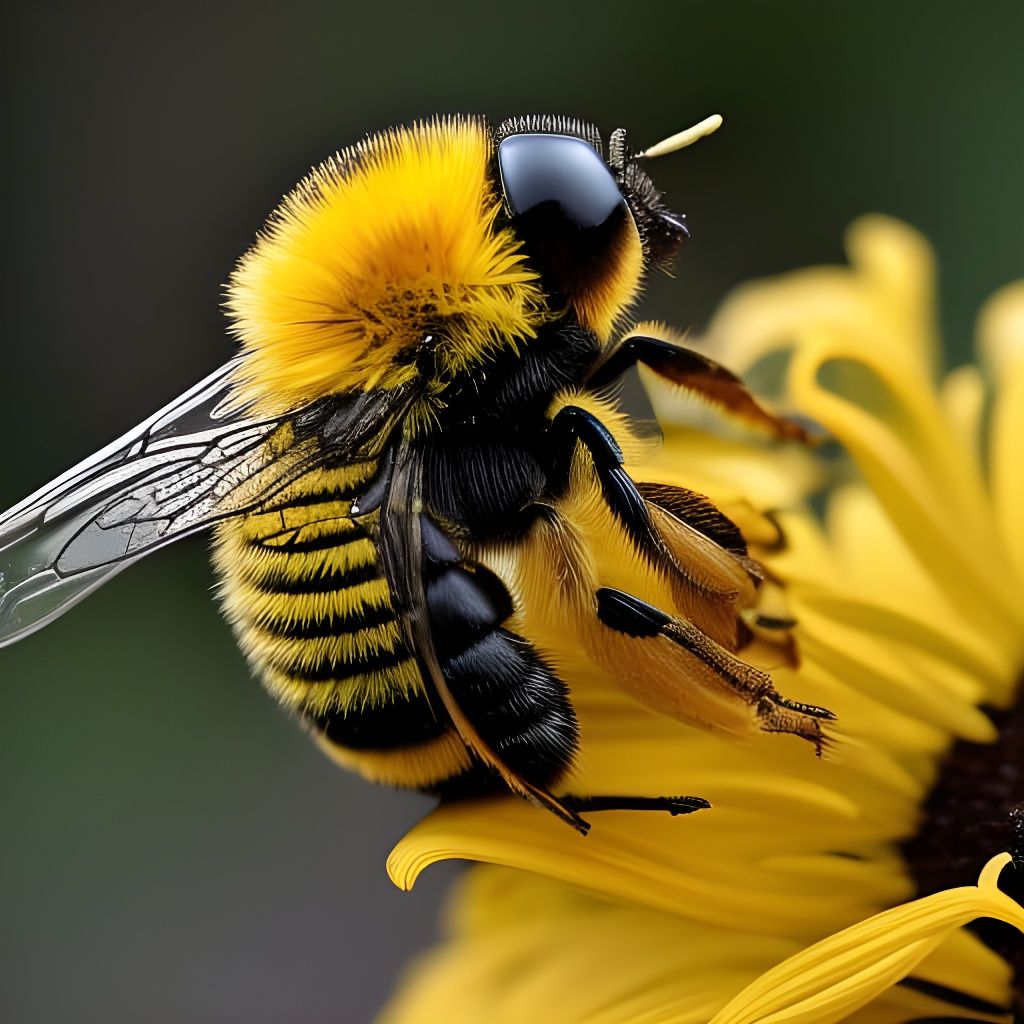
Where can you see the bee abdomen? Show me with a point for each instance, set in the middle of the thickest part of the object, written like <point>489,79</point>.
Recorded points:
<point>516,703</point>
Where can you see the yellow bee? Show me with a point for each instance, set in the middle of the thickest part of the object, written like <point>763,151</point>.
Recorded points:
<point>415,474</point>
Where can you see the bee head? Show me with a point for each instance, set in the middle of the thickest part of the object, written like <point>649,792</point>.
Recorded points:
<point>429,245</point>
<point>591,224</point>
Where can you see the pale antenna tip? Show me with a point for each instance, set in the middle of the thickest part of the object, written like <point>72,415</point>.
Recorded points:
<point>685,138</point>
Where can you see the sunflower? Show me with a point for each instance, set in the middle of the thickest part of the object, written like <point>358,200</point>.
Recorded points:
<point>813,890</point>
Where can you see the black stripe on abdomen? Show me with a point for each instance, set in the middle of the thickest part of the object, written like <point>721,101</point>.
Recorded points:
<point>324,669</point>
<point>407,720</point>
<point>330,582</point>
<point>319,628</point>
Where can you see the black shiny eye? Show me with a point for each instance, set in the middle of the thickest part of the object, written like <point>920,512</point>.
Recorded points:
<point>558,169</point>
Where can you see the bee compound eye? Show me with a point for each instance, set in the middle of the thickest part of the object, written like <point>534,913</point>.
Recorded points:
<point>559,170</point>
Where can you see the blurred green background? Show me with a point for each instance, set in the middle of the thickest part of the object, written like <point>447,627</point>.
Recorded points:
<point>173,848</point>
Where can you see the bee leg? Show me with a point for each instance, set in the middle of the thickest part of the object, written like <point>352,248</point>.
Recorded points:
<point>673,804</point>
<point>671,666</point>
<point>695,372</point>
<point>573,424</point>
<point>654,516</point>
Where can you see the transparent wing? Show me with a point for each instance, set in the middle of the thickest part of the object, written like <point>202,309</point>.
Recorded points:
<point>182,469</point>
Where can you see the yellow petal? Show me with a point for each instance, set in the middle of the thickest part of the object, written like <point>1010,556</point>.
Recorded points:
<point>519,947</point>
<point>834,977</point>
<point>923,476</point>
<point>886,296</point>
<point>962,397</point>
<point>1001,339</point>
<point>539,956</point>
<point>1001,329</point>
<point>678,865</point>
<point>896,263</point>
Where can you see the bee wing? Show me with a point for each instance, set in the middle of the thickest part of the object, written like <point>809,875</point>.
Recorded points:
<point>184,467</point>
<point>196,461</point>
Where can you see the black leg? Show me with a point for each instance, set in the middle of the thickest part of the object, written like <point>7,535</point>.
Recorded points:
<point>673,804</point>
<point>573,424</point>
<point>695,372</point>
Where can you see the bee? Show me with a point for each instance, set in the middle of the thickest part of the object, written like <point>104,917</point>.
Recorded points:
<point>414,469</point>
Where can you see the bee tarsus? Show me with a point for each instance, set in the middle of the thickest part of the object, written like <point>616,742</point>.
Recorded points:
<point>674,805</point>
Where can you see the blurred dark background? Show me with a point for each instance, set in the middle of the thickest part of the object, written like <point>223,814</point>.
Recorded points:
<point>173,848</point>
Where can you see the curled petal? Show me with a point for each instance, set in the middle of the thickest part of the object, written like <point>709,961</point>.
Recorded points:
<point>886,297</point>
<point>831,979</point>
<point>677,865</point>
<point>923,476</point>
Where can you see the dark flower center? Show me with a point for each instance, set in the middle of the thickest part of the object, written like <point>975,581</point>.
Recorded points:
<point>974,811</point>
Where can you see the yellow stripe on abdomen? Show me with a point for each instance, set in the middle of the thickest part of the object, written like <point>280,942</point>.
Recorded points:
<point>302,584</point>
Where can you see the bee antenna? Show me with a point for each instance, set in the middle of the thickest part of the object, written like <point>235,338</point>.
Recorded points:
<point>685,138</point>
<point>617,151</point>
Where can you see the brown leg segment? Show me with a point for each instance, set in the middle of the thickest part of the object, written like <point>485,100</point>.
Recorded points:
<point>697,373</point>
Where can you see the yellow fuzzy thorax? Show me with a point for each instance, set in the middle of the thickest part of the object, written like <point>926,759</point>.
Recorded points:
<point>383,244</point>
